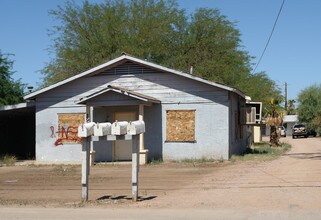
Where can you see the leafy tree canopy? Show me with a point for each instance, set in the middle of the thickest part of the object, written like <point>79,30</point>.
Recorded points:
<point>11,91</point>
<point>309,108</point>
<point>156,30</point>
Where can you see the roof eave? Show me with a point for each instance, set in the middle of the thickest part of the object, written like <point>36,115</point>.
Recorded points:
<point>87,72</point>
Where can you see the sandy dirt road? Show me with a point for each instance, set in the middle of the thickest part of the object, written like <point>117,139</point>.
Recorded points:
<point>286,188</point>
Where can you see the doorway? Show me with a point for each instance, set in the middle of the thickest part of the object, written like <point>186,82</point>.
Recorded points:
<point>123,149</point>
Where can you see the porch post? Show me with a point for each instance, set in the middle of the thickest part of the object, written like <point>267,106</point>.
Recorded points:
<point>92,152</point>
<point>143,154</point>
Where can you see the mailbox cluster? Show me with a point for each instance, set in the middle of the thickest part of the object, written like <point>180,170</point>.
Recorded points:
<point>116,128</point>
<point>119,130</point>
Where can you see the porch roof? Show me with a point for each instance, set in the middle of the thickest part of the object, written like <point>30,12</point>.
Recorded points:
<point>120,90</point>
<point>17,109</point>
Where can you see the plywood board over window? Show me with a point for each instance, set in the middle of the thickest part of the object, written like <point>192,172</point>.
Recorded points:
<point>180,126</point>
<point>68,128</point>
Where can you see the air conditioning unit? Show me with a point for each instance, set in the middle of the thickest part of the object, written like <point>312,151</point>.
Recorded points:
<point>248,115</point>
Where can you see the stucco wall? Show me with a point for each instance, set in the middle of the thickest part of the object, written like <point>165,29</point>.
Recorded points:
<point>46,136</point>
<point>211,132</point>
<point>153,135</point>
<point>240,136</point>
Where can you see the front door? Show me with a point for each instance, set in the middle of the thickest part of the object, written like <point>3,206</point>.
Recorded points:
<point>123,149</point>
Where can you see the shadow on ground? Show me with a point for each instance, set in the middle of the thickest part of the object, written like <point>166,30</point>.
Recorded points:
<point>310,156</point>
<point>120,198</point>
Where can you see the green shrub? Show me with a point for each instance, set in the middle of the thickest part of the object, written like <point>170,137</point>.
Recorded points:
<point>8,160</point>
<point>262,152</point>
<point>201,160</point>
<point>154,161</point>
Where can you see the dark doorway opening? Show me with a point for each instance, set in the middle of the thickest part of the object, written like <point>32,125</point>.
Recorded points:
<point>17,131</point>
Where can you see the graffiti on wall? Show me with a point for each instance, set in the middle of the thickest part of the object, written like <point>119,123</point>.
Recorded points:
<point>67,132</point>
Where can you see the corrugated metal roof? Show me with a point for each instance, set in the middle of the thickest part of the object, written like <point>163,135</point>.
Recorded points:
<point>18,109</point>
<point>124,58</point>
<point>17,106</point>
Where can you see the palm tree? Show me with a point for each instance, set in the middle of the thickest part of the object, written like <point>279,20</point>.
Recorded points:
<point>291,107</point>
<point>274,119</point>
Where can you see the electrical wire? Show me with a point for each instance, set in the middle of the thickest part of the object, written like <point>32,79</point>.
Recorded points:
<point>267,43</point>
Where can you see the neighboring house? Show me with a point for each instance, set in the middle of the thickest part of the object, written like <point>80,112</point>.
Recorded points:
<point>185,116</point>
<point>288,122</point>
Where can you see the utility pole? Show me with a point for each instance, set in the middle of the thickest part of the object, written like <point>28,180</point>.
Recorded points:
<point>286,97</point>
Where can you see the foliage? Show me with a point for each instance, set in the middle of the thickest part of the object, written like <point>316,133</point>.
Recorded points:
<point>262,152</point>
<point>211,47</point>
<point>94,33</point>
<point>11,91</point>
<point>8,160</point>
<point>261,88</point>
<point>158,31</point>
<point>274,119</point>
<point>291,107</point>
<point>201,160</point>
<point>154,161</point>
<point>309,108</point>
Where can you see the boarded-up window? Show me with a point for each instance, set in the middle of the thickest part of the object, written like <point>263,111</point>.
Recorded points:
<point>180,125</point>
<point>68,128</point>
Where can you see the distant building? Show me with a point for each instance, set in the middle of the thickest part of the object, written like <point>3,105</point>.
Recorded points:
<point>288,122</point>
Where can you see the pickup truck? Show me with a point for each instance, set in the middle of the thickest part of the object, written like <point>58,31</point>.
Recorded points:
<point>299,130</point>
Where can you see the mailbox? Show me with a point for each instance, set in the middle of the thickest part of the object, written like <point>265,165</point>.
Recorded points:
<point>86,129</point>
<point>119,128</point>
<point>102,129</point>
<point>136,127</point>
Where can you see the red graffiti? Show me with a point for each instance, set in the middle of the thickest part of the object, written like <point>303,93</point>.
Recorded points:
<point>69,135</point>
<point>52,132</point>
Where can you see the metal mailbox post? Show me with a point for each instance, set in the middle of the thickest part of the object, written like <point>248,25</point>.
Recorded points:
<point>113,132</point>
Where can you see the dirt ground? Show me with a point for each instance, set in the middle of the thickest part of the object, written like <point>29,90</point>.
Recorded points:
<point>290,183</point>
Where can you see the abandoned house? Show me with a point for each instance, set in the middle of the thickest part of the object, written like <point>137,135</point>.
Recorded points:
<point>185,116</point>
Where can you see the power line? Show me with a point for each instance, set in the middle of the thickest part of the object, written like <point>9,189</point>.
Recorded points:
<point>267,43</point>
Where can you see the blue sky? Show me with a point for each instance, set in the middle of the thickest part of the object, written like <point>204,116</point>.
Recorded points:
<point>293,55</point>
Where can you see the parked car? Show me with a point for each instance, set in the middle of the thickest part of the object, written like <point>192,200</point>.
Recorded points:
<point>312,132</point>
<point>299,130</point>
<point>282,131</point>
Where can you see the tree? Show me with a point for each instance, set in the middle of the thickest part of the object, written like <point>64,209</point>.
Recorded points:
<point>211,45</point>
<point>291,107</point>
<point>274,119</point>
<point>156,30</point>
<point>94,33</point>
<point>11,92</point>
<point>309,107</point>
<point>261,88</point>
